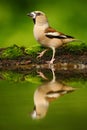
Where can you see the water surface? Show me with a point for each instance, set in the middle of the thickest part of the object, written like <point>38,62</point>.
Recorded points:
<point>56,99</point>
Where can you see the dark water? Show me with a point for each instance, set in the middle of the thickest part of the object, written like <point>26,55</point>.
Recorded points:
<point>56,99</point>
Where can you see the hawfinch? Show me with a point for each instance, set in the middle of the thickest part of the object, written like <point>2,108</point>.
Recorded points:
<point>46,93</point>
<point>47,36</point>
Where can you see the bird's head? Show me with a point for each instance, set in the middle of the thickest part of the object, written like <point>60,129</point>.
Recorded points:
<point>38,17</point>
<point>39,111</point>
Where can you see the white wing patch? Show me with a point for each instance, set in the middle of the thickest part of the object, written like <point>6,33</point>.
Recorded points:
<point>53,95</point>
<point>52,33</point>
<point>57,35</point>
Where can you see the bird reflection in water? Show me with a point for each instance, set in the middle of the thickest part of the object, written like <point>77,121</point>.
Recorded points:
<point>46,93</point>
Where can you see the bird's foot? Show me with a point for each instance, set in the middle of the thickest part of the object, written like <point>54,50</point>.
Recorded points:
<point>41,53</point>
<point>51,61</point>
<point>42,75</point>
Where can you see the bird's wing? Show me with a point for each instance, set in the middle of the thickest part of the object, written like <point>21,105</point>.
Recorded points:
<point>55,94</point>
<point>52,33</point>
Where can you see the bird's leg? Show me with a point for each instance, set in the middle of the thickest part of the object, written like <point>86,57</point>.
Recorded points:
<point>52,60</point>
<point>53,72</point>
<point>42,75</point>
<point>42,53</point>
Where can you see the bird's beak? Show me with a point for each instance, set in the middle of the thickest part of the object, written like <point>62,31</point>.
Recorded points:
<point>32,15</point>
<point>34,115</point>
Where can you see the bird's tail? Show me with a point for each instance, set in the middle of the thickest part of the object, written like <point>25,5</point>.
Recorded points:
<point>78,40</point>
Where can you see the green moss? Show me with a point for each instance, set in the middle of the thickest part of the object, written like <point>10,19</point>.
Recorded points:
<point>77,47</point>
<point>33,79</point>
<point>12,52</point>
<point>16,51</point>
<point>33,50</point>
<point>19,77</point>
<point>11,76</point>
<point>73,48</point>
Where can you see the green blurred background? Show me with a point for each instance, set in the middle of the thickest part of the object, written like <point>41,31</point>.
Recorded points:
<point>16,99</point>
<point>67,16</point>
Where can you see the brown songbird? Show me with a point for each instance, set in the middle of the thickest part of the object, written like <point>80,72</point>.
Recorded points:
<point>46,93</point>
<point>46,35</point>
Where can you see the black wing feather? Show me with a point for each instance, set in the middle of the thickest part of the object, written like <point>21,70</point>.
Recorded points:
<point>59,36</point>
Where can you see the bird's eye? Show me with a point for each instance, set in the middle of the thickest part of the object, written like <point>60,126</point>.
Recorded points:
<point>38,14</point>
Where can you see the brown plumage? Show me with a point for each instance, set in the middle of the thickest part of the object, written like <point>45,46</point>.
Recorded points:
<point>46,93</point>
<point>46,35</point>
